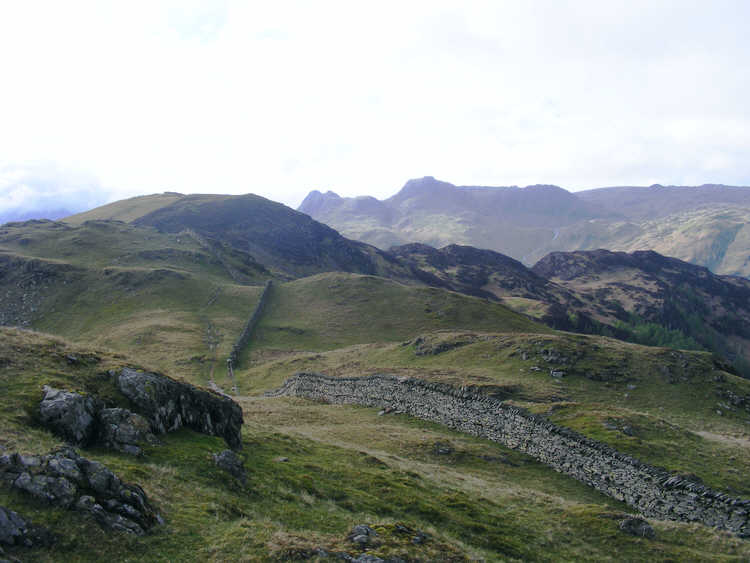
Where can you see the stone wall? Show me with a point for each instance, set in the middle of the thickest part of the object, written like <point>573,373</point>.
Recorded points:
<point>653,491</point>
<point>250,325</point>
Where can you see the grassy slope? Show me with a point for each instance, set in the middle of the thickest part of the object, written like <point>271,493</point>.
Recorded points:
<point>332,310</point>
<point>672,410</point>
<point>159,296</point>
<point>127,209</point>
<point>345,466</point>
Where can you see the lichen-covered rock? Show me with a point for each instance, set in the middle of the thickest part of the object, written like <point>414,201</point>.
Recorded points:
<point>170,404</point>
<point>637,527</point>
<point>69,415</point>
<point>231,463</point>
<point>64,478</point>
<point>15,530</point>
<point>124,431</point>
<point>363,536</point>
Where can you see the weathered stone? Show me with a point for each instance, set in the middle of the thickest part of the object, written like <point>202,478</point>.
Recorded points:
<point>637,527</point>
<point>125,431</point>
<point>169,405</point>
<point>653,491</point>
<point>15,530</point>
<point>69,415</point>
<point>64,478</point>
<point>231,463</point>
<point>362,535</point>
<point>12,527</point>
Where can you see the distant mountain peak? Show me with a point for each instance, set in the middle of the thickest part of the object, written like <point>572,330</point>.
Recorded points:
<point>316,202</point>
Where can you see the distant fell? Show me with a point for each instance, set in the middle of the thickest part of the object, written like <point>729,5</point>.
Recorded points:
<point>638,203</point>
<point>707,225</point>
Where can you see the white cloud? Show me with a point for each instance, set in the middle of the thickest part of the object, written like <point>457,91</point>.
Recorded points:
<point>43,187</point>
<point>279,98</point>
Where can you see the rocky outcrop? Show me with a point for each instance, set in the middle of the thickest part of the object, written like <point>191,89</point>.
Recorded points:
<point>70,415</point>
<point>124,431</point>
<point>16,530</point>
<point>231,463</point>
<point>169,404</point>
<point>653,491</point>
<point>164,405</point>
<point>65,479</point>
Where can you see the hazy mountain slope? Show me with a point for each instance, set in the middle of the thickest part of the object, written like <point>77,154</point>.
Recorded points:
<point>705,225</point>
<point>715,237</point>
<point>511,220</point>
<point>645,287</point>
<point>639,203</point>
<point>13,215</point>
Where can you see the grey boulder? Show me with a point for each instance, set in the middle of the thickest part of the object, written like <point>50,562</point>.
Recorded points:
<point>124,431</point>
<point>69,415</point>
<point>637,527</point>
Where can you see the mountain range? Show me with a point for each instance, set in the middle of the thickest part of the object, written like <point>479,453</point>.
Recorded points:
<point>706,225</point>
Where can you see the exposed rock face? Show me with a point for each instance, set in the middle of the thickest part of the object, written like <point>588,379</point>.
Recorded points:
<point>231,463</point>
<point>653,491</point>
<point>164,404</point>
<point>15,530</point>
<point>123,430</point>
<point>170,404</point>
<point>69,415</point>
<point>64,478</point>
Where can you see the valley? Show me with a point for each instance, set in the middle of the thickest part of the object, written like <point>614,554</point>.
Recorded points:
<point>165,284</point>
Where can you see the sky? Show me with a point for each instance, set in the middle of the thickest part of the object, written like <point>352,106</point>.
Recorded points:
<point>105,100</point>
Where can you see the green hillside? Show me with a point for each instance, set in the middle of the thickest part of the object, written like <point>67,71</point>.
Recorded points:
<point>126,210</point>
<point>333,310</point>
<point>344,466</point>
<point>162,297</point>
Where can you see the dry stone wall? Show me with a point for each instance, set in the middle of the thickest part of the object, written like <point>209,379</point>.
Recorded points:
<point>651,490</point>
<point>250,325</point>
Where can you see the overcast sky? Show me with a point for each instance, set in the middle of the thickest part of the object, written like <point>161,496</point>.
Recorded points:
<point>100,101</point>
